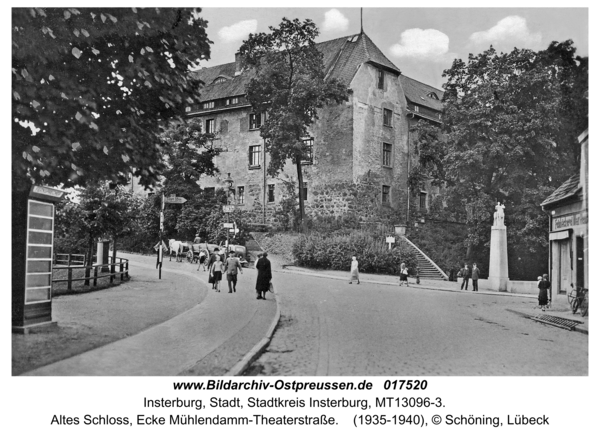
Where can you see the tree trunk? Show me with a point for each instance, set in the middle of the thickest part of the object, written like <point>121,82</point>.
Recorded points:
<point>300,196</point>
<point>114,256</point>
<point>90,261</point>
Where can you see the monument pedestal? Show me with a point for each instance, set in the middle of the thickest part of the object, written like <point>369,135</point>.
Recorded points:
<point>498,272</point>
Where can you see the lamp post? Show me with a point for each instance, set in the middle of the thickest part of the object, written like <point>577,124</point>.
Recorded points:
<point>229,184</point>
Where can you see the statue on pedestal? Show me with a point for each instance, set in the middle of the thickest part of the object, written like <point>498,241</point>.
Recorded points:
<point>499,215</point>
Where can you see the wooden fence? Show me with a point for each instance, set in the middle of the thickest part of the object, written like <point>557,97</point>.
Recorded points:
<point>91,274</point>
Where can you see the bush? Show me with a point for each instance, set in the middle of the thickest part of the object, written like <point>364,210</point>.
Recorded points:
<point>278,243</point>
<point>335,252</point>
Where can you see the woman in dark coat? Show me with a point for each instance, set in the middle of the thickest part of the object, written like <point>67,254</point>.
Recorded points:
<point>263,279</point>
<point>544,287</point>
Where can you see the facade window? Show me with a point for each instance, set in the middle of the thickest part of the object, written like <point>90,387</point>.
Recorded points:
<point>230,101</point>
<point>254,156</point>
<point>271,194</point>
<point>308,150</point>
<point>387,155</point>
<point>210,126</point>
<point>208,105</point>
<point>416,108</point>
<point>387,117</point>
<point>423,200</point>
<point>380,79</point>
<point>240,195</point>
<point>385,194</point>
<point>255,121</point>
<point>188,108</point>
<point>305,191</point>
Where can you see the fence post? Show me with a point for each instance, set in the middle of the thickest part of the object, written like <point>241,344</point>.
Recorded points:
<point>69,278</point>
<point>112,270</point>
<point>121,267</point>
<point>87,275</point>
<point>127,269</point>
<point>95,275</point>
<point>69,260</point>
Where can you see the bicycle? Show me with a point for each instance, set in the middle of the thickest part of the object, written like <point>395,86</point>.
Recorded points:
<point>578,299</point>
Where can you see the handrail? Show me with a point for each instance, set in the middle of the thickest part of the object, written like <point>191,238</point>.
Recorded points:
<point>426,257</point>
<point>122,262</point>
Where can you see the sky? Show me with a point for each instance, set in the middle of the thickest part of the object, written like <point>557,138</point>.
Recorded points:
<point>421,42</point>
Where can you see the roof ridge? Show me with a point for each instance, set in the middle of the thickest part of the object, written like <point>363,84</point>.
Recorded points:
<point>422,83</point>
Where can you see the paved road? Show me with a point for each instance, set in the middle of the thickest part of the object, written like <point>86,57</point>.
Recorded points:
<point>329,327</point>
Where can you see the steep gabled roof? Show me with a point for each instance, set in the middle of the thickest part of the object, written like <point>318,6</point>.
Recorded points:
<point>341,59</point>
<point>419,93</point>
<point>568,189</point>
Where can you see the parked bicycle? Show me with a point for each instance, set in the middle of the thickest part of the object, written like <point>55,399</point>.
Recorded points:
<point>578,299</point>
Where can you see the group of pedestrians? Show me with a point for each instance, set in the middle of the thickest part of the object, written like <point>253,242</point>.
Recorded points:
<point>229,268</point>
<point>467,273</point>
<point>403,273</point>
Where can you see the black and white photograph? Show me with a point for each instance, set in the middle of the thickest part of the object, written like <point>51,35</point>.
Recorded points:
<point>262,196</point>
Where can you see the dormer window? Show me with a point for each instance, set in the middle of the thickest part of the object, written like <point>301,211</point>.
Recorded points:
<point>208,105</point>
<point>353,38</point>
<point>380,79</point>
<point>433,95</point>
<point>220,80</point>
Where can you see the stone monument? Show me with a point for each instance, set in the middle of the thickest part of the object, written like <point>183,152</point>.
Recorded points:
<point>498,272</point>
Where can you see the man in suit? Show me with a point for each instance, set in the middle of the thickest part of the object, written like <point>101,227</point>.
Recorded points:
<point>475,277</point>
<point>232,264</point>
<point>466,275</point>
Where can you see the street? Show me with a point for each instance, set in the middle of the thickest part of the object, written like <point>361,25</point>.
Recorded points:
<point>329,327</point>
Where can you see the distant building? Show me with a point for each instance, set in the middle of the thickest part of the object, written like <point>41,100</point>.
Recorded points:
<point>568,210</point>
<point>368,135</point>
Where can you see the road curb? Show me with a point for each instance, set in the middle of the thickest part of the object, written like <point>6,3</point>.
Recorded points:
<point>376,282</point>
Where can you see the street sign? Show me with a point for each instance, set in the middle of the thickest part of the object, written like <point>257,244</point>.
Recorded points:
<point>229,208</point>
<point>389,239</point>
<point>175,200</point>
<point>228,225</point>
<point>234,230</point>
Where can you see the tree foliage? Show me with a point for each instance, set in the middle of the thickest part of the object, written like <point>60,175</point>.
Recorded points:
<point>188,154</point>
<point>510,127</point>
<point>90,87</point>
<point>289,84</point>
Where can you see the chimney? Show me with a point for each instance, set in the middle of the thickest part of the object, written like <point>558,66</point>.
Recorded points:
<point>238,64</point>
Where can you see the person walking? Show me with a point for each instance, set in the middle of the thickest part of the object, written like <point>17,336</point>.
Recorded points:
<point>232,264</point>
<point>213,258</point>
<point>466,275</point>
<point>544,293</point>
<point>475,277</point>
<point>354,271</point>
<point>263,278</point>
<point>403,274</point>
<point>216,272</point>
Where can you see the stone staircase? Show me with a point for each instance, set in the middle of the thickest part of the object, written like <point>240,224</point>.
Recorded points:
<point>427,268</point>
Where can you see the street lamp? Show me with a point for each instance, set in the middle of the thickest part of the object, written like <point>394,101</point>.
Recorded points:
<point>229,182</point>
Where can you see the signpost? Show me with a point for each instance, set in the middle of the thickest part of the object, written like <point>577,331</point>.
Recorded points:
<point>229,208</point>
<point>168,200</point>
<point>390,240</point>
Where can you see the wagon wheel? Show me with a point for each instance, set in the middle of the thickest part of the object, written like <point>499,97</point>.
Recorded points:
<point>190,256</point>
<point>571,296</point>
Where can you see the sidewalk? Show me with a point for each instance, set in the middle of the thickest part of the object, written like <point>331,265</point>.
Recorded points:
<point>565,316</point>
<point>209,338</point>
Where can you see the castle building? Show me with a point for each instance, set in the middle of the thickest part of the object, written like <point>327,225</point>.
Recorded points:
<point>367,136</point>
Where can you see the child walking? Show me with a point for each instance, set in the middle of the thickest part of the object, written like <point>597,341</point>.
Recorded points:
<point>403,274</point>
<point>216,273</point>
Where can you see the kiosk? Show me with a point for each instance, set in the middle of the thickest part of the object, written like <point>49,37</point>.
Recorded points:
<point>32,302</point>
